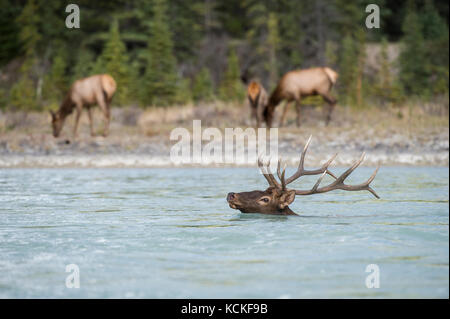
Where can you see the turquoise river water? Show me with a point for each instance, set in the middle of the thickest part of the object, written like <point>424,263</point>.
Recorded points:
<point>169,233</point>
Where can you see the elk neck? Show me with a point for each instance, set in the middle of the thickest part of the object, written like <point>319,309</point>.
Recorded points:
<point>286,211</point>
<point>67,105</point>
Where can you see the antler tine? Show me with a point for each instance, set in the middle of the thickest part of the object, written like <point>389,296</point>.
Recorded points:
<point>265,169</point>
<point>302,156</point>
<point>281,174</point>
<point>269,173</point>
<point>278,168</point>
<point>283,181</point>
<point>316,185</point>
<point>301,166</point>
<point>339,182</point>
<point>325,166</point>
<point>371,178</point>
<point>351,169</point>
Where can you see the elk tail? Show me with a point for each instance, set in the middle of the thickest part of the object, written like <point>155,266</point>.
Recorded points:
<point>108,86</point>
<point>332,76</point>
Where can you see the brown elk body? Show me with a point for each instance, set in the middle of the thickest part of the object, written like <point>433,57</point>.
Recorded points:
<point>298,84</point>
<point>275,199</point>
<point>258,98</point>
<point>96,89</point>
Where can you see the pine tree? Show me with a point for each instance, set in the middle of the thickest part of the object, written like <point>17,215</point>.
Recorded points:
<point>272,47</point>
<point>348,69</point>
<point>23,93</point>
<point>291,34</point>
<point>8,32</point>
<point>231,88</point>
<point>84,65</point>
<point>386,88</point>
<point>385,67</point>
<point>330,54</point>
<point>360,63</point>
<point>184,92</point>
<point>383,85</point>
<point>256,35</point>
<point>435,34</point>
<point>134,83</point>
<point>187,26</point>
<point>266,41</point>
<point>114,61</point>
<point>56,83</point>
<point>160,72</point>
<point>351,14</point>
<point>414,72</point>
<point>202,87</point>
<point>431,21</point>
<point>29,35</point>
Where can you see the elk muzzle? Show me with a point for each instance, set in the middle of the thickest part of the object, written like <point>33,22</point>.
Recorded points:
<point>232,199</point>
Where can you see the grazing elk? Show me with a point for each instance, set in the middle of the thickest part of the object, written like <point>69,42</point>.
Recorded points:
<point>257,97</point>
<point>275,199</point>
<point>96,89</point>
<point>297,84</point>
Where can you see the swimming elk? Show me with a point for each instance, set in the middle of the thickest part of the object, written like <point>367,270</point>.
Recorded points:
<point>297,84</point>
<point>275,199</point>
<point>257,97</point>
<point>96,89</point>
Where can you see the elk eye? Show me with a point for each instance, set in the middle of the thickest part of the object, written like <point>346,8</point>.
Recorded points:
<point>264,199</point>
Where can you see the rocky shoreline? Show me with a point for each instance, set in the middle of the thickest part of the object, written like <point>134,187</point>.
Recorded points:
<point>142,138</point>
<point>155,152</point>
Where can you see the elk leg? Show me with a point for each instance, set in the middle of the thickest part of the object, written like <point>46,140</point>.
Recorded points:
<point>259,115</point>
<point>254,115</point>
<point>77,120</point>
<point>104,106</point>
<point>331,104</point>
<point>297,108</point>
<point>108,114</point>
<point>283,116</point>
<point>268,117</point>
<point>91,123</point>
<point>107,120</point>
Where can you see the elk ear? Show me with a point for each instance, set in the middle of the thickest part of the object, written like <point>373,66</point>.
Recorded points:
<point>287,198</point>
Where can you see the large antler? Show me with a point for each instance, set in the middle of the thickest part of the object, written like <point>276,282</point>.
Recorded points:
<point>265,169</point>
<point>301,171</point>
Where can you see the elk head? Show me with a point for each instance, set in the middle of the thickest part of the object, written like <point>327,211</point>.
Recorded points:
<point>270,201</point>
<point>57,123</point>
<point>276,198</point>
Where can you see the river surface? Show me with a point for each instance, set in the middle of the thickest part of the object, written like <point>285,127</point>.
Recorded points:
<point>169,233</point>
